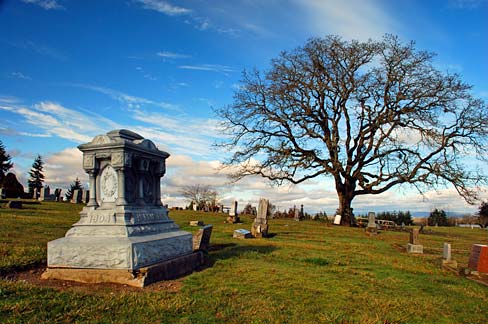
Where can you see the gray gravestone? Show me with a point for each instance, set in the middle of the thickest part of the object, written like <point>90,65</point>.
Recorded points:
<point>57,194</point>
<point>447,257</point>
<point>233,216</point>
<point>260,225</point>
<point>372,228</point>
<point>15,204</point>
<point>296,214</point>
<point>124,229</point>
<point>201,240</point>
<point>85,196</point>
<point>242,234</point>
<point>413,246</point>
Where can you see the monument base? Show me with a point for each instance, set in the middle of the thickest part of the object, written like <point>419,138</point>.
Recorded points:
<point>259,231</point>
<point>415,248</point>
<point>166,270</point>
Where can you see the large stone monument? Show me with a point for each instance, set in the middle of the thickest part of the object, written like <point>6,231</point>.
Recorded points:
<point>259,227</point>
<point>124,233</point>
<point>233,215</point>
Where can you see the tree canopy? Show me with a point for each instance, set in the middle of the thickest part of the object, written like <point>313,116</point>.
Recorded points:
<point>36,175</point>
<point>5,162</point>
<point>371,115</point>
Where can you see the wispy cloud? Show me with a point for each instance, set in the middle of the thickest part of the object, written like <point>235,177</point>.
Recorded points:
<point>55,120</point>
<point>172,55</point>
<point>20,76</point>
<point>163,7</point>
<point>37,48</point>
<point>349,18</point>
<point>45,4</point>
<point>466,4</point>
<point>129,100</point>
<point>209,67</point>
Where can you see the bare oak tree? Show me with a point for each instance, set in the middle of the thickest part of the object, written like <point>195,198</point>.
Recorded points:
<point>372,115</point>
<point>201,195</point>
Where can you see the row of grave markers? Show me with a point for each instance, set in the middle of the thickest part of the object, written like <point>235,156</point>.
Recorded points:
<point>44,194</point>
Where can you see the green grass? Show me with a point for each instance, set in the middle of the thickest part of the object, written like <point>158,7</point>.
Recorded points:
<point>307,272</point>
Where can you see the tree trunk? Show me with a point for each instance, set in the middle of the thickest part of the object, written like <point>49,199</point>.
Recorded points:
<point>345,210</point>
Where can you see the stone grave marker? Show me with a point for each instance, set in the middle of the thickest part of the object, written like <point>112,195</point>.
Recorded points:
<point>242,234</point>
<point>296,213</point>
<point>447,257</point>
<point>15,204</point>
<point>478,260</point>
<point>57,194</point>
<point>3,193</point>
<point>259,227</point>
<point>45,192</point>
<point>196,223</point>
<point>337,220</point>
<point>372,228</point>
<point>413,246</point>
<point>233,215</point>
<point>77,195</point>
<point>85,196</point>
<point>124,234</point>
<point>201,240</point>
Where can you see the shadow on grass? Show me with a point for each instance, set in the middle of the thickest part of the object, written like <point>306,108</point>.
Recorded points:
<point>233,250</point>
<point>10,272</point>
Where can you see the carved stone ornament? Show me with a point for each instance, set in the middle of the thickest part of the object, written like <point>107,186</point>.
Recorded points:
<point>108,184</point>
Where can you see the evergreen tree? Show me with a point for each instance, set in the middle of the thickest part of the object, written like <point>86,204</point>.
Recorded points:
<point>438,217</point>
<point>5,163</point>
<point>36,174</point>
<point>76,185</point>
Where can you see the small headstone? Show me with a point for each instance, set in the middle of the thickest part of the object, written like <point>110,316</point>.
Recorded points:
<point>296,213</point>
<point>3,193</point>
<point>260,225</point>
<point>195,207</point>
<point>242,234</point>
<point>413,246</point>
<point>77,196</point>
<point>201,240</point>
<point>233,216</point>
<point>337,220</point>
<point>447,258</point>
<point>478,261</point>
<point>17,204</point>
<point>45,192</point>
<point>57,194</point>
<point>372,228</point>
<point>196,223</point>
<point>86,196</point>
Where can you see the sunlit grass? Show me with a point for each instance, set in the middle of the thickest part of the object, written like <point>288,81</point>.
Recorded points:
<point>307,272</point>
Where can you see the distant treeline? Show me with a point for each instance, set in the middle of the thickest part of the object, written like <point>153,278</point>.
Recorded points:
<point>398,217</point>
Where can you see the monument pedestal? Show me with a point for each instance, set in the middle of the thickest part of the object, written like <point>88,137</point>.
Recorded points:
<point>166,270</point>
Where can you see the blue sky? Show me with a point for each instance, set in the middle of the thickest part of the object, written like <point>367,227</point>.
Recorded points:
<point>70,70</point>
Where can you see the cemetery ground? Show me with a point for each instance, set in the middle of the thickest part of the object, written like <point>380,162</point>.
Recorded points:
<point>307,272</point>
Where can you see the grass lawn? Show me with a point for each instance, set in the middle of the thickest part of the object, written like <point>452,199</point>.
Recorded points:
<point>307,272</point>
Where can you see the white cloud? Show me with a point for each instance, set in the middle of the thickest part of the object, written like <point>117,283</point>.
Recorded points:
<point>20,76</point>
<point>209,67</point>
<point>163,7</point>
<point>349,18</point>
<point>172,55</point>
<point>129,100</point>
<point>54,120</point>
<point>62,168</point>
<point>45,4</point>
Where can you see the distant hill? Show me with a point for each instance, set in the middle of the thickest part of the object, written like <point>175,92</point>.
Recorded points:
<point>449,214</point>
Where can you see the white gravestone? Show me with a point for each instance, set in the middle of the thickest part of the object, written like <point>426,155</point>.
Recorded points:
<point>337,220</point>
